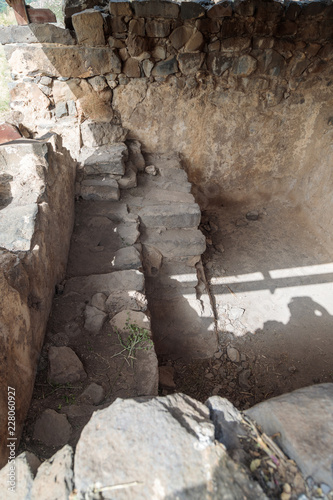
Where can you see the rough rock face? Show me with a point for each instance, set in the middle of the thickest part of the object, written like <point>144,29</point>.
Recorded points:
<point>176,447</point>
<point>302,418</point>
<point>162,448</point>
<point>33,258</point>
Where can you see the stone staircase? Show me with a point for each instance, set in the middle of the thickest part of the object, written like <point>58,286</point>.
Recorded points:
<point>182,316</point>
<point>135,243</point>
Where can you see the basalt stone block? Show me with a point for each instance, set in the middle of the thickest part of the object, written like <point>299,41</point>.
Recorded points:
<point>96,134</point>
<point>88,26</point>
<point>191,10</point>
<point>120,8</point>
<point>235,44</point>
<point>271,63</point>
<point>136,45</point>
<point>268,11</point>
<point>220,9</point>
<point>196,42</point>
<point>218,63</point>
<point>293,11</point>
<point>99,189</point>
<point>232,28</point>
<point>104,160</point>
<point>286,28</point>
<point>313,9</point>
<point>244,66</point>
<point>118,25</point>
<point>180,36</point>
<point>208,25</point>
<point>158,28</point>
<point>190,63</point>
<point>326,52</point>
<point>244,8</point>
<point>137,27</point>
<point>132,68</point>
<point>151,8</point>
<point>165,68</point>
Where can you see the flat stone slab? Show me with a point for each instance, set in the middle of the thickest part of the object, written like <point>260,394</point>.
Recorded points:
<point>127,258</point>
<point>100,189</point>
<point>175,243</point>
<point>303,419</point>
<point>104,159</point>
<point>172,216</point>
<point>129,280</point>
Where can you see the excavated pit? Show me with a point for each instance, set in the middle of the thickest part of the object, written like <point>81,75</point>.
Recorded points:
<point>250,320</point>
<point>271,283</point>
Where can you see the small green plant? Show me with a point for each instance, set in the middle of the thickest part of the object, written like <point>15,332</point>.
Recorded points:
<point>69,399</point>
<point>134,338</point>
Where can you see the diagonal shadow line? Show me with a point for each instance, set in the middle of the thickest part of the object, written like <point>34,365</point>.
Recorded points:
<point>271,284</point>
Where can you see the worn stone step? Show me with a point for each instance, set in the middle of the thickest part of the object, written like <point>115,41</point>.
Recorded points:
<point>131,280</point>
<point>100,189</point>
<point>105,160</point>
<point>175,243</point>
<point>171,216</point>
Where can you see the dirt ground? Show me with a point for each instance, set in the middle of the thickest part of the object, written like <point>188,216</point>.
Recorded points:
<point>271,283</point>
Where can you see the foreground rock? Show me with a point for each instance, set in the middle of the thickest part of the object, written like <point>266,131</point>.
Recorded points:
<point>176,447</point>
<point>303,421</point>
<point>157,448</point>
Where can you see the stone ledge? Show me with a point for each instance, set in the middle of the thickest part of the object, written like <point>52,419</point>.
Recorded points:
<point>36,33</point>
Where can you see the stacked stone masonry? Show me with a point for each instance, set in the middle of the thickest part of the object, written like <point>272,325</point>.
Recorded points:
<point>172,72</point>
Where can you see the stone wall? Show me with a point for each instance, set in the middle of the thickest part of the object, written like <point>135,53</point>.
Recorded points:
<point>241,89</point>
<point>36,221</point>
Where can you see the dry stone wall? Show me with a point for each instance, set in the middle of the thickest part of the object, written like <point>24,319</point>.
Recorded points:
<point>243,90</point>
<point>37,181</point>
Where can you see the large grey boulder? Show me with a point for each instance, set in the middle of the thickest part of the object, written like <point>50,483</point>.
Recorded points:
<point>303,420</point>
<point>157,448</point>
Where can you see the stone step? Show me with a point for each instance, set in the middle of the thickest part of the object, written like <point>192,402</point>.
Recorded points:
<point>100,189</point>
<point>105,160</point>
<point>170,216</point>
<point>175,243</point>
<point>128,281</point>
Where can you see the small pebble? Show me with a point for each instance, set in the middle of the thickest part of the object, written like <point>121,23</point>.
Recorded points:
<point>218,355</point>
<point>252,215</point>
<point>209,376</point>
<point>219,247</point>
<point>151,170</point>
<point>233,354</point>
